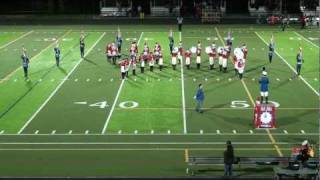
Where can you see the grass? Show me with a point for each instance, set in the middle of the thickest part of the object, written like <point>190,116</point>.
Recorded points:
<point>55,118</point>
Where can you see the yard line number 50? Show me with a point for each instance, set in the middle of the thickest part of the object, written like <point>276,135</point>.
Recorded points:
<point>245,104</point>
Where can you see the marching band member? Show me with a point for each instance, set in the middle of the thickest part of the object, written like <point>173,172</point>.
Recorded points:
<point>229,39</point>
<point>180,52</point>
<point>82,45</point>
<point>225,54</point>
<point>119,40</point>
<point>187,56</point>
<point>114,53</point>
<point>127,67</point>
<point>160,61</point>
<point>109,52</point>
<point>156,51</point>
<point>123,69</point>
<point>134,65</point>
<point>25,62</point>
<point>212,55</point>
<point>271,50</point>
<point>245,51</point>
<point>198,55</point>
<point>57,53</point>
<point>151,61</point>
<point>240,66</point>
<point>174,55</point>
<point>142,62</point>
<point>299,61</point>
<point>171,40</point>
<point>220,52</point>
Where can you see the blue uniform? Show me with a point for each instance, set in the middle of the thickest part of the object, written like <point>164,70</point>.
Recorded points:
<point>25,64</point>
<point>264,83</point>
<point>171,43</point>
<point>271,51</point>
<point>119,43</point>
<point>299,62</point>
<point>57,55</point>
<point>82,45</point>
<point>200,98</point>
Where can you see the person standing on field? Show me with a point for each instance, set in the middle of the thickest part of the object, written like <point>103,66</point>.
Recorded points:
<point>228,159</point>
<point>199,97</point>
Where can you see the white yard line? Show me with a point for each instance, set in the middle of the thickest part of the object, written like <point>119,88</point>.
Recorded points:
<point>117,97</point>
<point>165,134</point>
<point>20,37</point>
<point>315,91</point>
<point>132,149</point>
<point>59,86</point>
<point>306,39</point>
<point>139,143</point>
<point>183,95</point>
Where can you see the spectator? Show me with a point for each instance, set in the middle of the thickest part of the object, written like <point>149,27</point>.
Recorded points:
<point>228,158</point>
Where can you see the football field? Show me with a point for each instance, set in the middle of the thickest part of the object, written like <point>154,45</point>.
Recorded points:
<point>81,119</point>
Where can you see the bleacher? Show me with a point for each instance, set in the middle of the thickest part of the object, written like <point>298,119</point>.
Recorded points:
<point>112,11</point>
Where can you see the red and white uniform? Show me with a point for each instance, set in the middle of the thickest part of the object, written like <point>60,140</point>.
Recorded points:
<point>220,52</point>
<point>142,61</point>
<point>157,51</point>
<point>180,51</point>
<point>123,67</point>
<point>198,55</point>
<point>160,59</point>
<point>114,51</point>
<point>134,63</point>
<point>109,50</point>
<point>146,49</point>
<point>127,65</point>
<point>245,51</point>
<point>133,50</point>
<point>212,56</point>
<point>151,59</point>
<point>240,64</point>
<point>174,57</point>
<point>187,56</point>
<point>225,55</point>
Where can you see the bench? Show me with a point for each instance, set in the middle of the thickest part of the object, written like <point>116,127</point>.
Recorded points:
<point>196,163</point>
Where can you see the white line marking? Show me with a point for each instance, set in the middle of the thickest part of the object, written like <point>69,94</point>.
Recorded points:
<point>80,102</point>
<point>22,36</point>
<point>317,93</point>
<point>183,96</point>
<point>59,86</point>
<point>306,39</point>
<point>116,98</point>
<point>138,143</point>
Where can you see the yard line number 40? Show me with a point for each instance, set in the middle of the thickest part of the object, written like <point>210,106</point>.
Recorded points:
<point>245,104</point>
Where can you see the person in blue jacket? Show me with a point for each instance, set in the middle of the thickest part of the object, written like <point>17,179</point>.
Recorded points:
<point>264,86</point>
<point>199,97</point>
